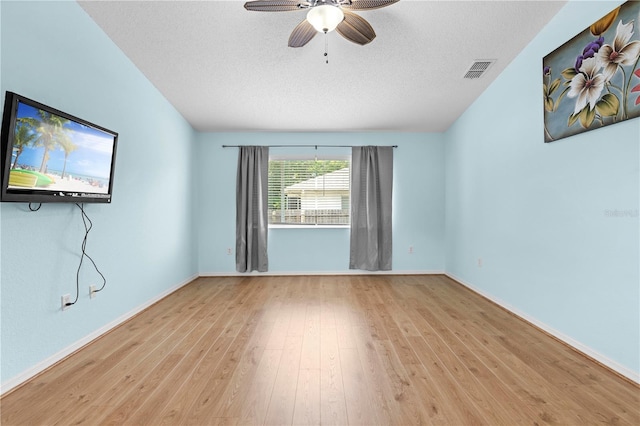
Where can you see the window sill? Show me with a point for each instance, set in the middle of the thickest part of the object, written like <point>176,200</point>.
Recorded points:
<point>309,226</point>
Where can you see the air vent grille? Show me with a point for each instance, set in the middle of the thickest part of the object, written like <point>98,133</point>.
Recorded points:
<point>478,68</point>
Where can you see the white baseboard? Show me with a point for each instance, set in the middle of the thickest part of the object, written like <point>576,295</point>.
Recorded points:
<point>306,273</point>
<point>580,347</point>
<point>48,362</point>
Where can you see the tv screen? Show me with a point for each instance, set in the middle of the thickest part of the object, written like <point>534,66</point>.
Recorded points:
<point>51,156</point>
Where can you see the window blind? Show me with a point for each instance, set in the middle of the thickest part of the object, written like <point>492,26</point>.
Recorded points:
<point>309,192</point>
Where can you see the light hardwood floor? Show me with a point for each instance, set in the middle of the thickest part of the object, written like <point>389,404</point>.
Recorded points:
<point>337,350</point>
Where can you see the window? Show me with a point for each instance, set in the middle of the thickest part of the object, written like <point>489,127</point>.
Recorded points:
<point>309,192</point>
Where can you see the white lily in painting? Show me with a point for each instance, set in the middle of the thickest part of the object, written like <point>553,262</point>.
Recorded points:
<point>622,52</point>
<point>586,85</point>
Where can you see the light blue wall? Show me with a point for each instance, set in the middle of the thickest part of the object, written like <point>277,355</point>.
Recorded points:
<point>418,204</point>
<point>143,242</point>
<point>537,214</point>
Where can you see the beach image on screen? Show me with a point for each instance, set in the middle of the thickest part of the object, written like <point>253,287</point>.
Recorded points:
<point>53,153</point>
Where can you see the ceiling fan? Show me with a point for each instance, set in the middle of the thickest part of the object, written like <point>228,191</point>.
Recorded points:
<point>325,16</point>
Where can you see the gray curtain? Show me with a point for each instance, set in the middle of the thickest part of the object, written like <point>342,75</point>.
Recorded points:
<point>251,209</point>
<point>371,191</point>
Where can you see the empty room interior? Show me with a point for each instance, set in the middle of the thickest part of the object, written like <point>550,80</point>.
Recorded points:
<point>499,283</point>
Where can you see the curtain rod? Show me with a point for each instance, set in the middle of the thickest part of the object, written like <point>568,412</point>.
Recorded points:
<point>305,146</point>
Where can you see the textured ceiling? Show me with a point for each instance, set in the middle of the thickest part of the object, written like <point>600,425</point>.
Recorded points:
<point>227,69</point>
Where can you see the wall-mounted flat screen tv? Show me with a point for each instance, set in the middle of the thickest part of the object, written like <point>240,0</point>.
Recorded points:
<point>51,156</point>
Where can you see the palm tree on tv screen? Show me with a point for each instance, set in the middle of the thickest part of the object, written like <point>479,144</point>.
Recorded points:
<point>68,147</point>
<point>24,137</point>
<point>51,131</point>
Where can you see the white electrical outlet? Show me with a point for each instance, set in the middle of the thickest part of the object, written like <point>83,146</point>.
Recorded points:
<point>92,291</point>
<point>66,299</point>
<point>229,251</point>
<point>410,249</point>
<point>479,262</point>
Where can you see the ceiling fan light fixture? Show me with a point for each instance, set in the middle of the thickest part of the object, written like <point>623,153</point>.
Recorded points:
<point>325,18</point>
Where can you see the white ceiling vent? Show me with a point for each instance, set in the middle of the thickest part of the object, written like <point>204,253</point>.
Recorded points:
<point>478,68</point>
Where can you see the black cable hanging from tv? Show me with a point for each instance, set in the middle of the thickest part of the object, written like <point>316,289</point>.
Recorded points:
<point>87,228</point>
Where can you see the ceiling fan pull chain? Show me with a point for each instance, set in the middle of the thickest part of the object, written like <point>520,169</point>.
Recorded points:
<point>326,47</point>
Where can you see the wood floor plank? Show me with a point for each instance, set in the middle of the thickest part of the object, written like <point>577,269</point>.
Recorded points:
<point>178,407</point>
<point>256,401</point>
<point>190,350</point>
<point>310,355</point>
<point>307,407</point>
<point>120,414</point>
<point>394,301</point>
<point>343,350</point>
<point>203,406</point>
<point>283,397</point>
<point>392,330</point>
<point>232,403</point>
<point>333,410</point>
<point>386,387</point>
<point>357,397</point>
<point>439,410</point>
<point>408,401</point>
<point>452,403</point>
<point>280,331</point>
<point>345,322</point>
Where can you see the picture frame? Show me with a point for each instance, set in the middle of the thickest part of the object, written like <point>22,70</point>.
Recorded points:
<point>593,80</point>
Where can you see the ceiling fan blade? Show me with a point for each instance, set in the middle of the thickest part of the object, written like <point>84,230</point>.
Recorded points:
<point>355,28</point>
<point>302,34</point>
<point>367,4</point>
<point>275,5</point>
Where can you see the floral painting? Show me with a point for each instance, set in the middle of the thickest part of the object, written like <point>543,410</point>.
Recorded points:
<point>593,80</point>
